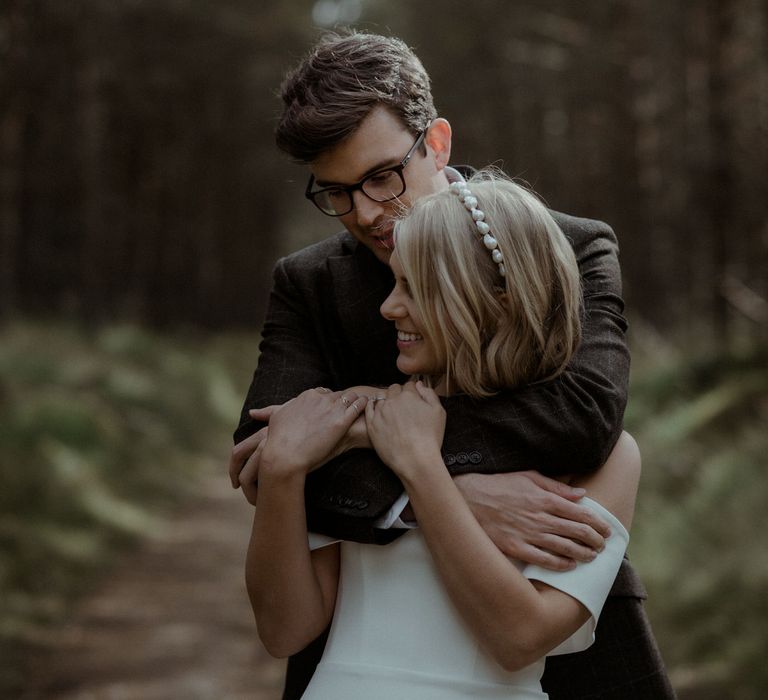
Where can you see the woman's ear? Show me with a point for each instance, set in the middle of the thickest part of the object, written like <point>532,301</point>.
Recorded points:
<point>438,140</point>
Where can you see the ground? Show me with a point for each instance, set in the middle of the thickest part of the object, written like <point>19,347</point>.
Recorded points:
<point>171,622</point>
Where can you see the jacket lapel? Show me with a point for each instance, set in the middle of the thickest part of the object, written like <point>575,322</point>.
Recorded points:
<point>359,285</point>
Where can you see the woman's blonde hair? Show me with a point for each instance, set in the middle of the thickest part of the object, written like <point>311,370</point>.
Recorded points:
<point>492,332</point>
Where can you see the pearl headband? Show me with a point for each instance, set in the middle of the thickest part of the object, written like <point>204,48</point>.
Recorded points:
<point>462,191</point>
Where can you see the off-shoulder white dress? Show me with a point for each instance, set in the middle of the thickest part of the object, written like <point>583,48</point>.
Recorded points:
<point>396,634</point>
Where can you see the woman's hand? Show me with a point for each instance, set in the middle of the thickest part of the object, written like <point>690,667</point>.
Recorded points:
<point>406,429</point>
<point>306,430</point>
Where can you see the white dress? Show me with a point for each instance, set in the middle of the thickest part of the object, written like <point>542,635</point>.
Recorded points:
<point>396,634</point>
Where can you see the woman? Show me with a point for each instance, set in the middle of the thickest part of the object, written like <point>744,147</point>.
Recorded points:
<point>486,296</point>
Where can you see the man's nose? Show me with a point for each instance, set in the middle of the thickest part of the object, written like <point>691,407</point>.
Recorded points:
<point>366,210</point>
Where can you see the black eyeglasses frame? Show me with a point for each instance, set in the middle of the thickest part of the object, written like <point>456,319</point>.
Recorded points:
<point>359,185</point>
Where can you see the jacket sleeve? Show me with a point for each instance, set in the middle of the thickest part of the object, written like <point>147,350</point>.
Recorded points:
<point>346,496</point>
<point>570,424</point>
<point>290,358</point>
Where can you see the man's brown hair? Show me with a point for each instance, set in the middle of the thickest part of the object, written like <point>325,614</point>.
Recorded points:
<point>336,86</point>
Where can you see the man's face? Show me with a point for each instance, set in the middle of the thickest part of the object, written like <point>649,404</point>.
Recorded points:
<point>381,141</point>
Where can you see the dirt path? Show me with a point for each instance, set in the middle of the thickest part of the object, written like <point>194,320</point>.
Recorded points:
<point>172,622</point>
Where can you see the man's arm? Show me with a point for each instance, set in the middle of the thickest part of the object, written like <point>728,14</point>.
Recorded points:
<point>570,424</point>
<point>567,425</point>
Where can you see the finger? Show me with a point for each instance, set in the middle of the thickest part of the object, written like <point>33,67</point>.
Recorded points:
<point>241,452</point>
<point>576,531</point>
<point>563,547</point>
<point>583,522</point>
<point>323,390</point>
<point>394,390</point>
<point>249,475</point>
<point>251,492</point>
<point>372,412</point>
<point>355,408</point>
<point>347,398</point>
<point>427,394</point>
<point>560,488</point>
<point>263,414</point>
<point>547,560</point>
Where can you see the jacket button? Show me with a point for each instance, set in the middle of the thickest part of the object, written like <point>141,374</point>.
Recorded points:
<point>462,458</point>
<point>449,460</point>
<point>475,457</point>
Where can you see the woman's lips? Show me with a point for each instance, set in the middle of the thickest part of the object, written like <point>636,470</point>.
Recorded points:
<point>406,339</point>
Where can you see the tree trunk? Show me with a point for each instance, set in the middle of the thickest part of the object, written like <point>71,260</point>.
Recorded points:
<point>721,18</point>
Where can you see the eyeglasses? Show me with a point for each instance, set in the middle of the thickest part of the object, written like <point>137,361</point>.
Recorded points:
<point>381,186</point>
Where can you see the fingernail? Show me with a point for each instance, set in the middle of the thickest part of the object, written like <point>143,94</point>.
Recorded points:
<point>579,491</point>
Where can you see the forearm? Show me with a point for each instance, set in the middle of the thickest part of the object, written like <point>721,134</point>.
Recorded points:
<point>504,609</point>
<point>291,600</point>
<point>565,426</point>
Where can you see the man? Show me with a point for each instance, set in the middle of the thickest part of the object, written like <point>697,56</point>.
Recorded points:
<point>359,112</point>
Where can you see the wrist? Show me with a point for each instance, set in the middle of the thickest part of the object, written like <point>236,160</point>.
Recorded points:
<point>416,462</point>
<point>273,468</point>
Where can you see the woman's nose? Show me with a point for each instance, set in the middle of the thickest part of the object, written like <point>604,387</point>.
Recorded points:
<point>391,309</point>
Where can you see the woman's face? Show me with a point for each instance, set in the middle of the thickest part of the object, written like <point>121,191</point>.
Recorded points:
<point>417,353</point>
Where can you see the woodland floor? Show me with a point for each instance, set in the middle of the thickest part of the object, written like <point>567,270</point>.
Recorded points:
<point>172,621</point>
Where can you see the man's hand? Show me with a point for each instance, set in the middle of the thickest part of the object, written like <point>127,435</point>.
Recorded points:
<point>356,436</point>
<point>533,518</point>
<point>242,452</point>
<point>245,452</point>
<point>305,431</point>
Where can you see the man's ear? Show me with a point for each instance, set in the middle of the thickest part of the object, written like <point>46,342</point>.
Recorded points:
<point>438,140</point>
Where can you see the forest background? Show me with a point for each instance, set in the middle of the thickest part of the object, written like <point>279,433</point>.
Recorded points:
<point>143,205</point>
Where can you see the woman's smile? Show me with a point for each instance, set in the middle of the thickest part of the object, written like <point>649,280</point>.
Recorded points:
<point>406,339</point>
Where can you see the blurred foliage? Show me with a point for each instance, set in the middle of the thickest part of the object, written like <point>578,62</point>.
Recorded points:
<point>699,538</point>
<point>101,433</point>
<point>136,144</point>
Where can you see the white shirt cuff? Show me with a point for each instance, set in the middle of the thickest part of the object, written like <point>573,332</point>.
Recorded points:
<point>392,519</point>
<point>590,582</point>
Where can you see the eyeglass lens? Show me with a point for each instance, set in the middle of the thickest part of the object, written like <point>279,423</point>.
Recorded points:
<point>380,187</point>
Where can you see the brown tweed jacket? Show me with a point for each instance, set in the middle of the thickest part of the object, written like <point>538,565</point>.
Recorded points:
<point>323,328</point>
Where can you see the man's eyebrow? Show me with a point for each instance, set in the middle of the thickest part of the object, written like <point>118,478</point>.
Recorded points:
<point>381,165</point>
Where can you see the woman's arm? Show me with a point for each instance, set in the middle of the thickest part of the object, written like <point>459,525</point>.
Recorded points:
<point>614,486</point>
<point>293,590</point>
<point>517,620</point>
